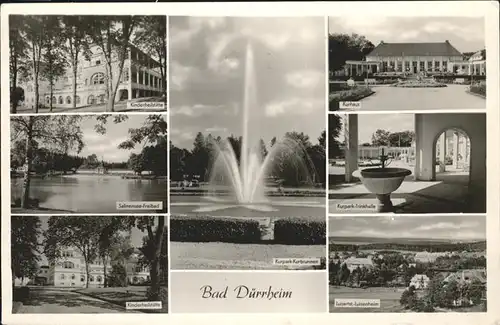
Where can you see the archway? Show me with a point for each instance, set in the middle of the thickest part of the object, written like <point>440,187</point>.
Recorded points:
<point>452,152</point>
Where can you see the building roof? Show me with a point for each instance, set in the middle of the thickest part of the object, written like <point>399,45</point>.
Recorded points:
<point>468,275</point>
<point>359,260</point>
<point>415,49</point>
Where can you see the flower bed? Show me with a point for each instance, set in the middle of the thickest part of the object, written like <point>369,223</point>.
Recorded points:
<point>419,84</point>
<point>479,89</point>
<point>300,231</point>
<point>353,94</point>
<point>293,193</point>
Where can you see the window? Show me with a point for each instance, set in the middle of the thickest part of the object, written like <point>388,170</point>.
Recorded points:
<point>101,99</point>
<point>99,278</point>
<point>73,276</point>
<point>68,100</point>
<point>62,276</point>
<point>97,62</point>
<point>61,100</point>
<point>54,99</point>
<point>135,279</point>
<point>98,79</point>
<point>91,100</point>
<point>91,278</point>
<point>68,265</point>
<point>77,99</point>
<point>47,100</point>
<point>82,278</point>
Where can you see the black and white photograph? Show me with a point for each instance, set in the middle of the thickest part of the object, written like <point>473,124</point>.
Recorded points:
<point>247,116</point>
<point>89,264</point>
<point>407,264</point>
<point>75,63</point>
<point>107,163</point>
<point>406,63</point>
<point>407,163</point>
<point>248,132</point>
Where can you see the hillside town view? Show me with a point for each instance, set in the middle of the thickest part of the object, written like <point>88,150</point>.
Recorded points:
<point>87,63</point>
<point>379,67</point>
<point>408,264</point>
<point>88,264</point>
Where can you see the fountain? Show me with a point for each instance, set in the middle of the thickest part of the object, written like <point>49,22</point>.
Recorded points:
<point>382,181</point>
<point>246,176</point>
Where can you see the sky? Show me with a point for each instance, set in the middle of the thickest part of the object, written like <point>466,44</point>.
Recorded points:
<point>208,58</point>
<point>369,123</point>
<point>135,237</point>
<point>106,146</point>
<point>466,34</point>
<point>453,227</point>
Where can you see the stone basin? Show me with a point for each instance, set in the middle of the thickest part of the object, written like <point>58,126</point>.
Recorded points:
<point>382,182</point>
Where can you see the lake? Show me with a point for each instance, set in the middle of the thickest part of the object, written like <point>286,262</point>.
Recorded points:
<point>85,193</point>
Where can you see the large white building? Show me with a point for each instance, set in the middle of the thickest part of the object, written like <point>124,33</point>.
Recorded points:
<point>69,271</point>
<point>140,78</point>
<point>412,58</point>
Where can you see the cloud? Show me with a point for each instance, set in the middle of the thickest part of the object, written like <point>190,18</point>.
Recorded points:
<point>198,110</point>
<point>305,78</point>
<point>294,106</point>
<point>216,129</point>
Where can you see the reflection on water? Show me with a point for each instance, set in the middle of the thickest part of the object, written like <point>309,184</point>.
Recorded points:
<point>92,193</point>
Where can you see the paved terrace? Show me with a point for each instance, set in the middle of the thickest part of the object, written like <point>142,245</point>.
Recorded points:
<point>449,193</point>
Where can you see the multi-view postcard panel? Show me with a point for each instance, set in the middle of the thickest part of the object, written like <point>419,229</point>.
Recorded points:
<point>88,164</point>
<point>87,63</point>
<point>407,63</point>
<point>407,264</point>
<point>89,264</point>
<point>407,163</point>
<point>248,132</point>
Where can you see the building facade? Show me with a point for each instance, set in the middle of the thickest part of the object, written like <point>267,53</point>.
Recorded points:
<point>140,78</point>
<point>69,271</point>
<point>413,58</point>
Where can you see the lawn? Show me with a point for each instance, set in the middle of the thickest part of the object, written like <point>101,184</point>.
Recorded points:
<point>389,299</point>
<point>238,256</point>
<point>121,295</point>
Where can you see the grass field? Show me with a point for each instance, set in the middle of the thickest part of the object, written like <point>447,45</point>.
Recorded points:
<point>389,299</point>
<point>237,256</point>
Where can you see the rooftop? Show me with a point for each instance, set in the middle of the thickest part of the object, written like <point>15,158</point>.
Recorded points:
<point>415,49</point>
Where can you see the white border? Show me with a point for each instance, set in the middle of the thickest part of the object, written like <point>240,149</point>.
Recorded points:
<point>401,8</point>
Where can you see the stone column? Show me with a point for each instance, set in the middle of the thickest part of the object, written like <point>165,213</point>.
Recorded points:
<point>456,139</point>
<point>351,141</point>
<point>433,64</point>
<point>442,152</point>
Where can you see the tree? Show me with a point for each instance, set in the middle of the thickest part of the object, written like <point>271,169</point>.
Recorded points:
<point>18,48</point>
<point>113,34</point>
<point>334,128</point>
<point>82,233</point>
<point>62,133</point>
<point>117,276</point>
<point>75,30</point>
<point>263,149</point>
<point>35,34</point>
<point>24,245</point>
<point>343,47</point>
<point>136,163</point>
<point>53,55</point>
<point>380,138</point>
<point>401,139</point>
<point>152,36</point>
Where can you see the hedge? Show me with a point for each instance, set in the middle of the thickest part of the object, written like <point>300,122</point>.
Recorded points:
<point>354,94</point>
<point>214,229</point>
<point>479,89</point>
<point>299,231</point>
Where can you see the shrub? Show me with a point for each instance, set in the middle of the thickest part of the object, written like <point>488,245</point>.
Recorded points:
<point>479,89</point>
<point>299,231</point>
<point>21,294</point>
<point>213,229</point>
<point>117,276</point>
